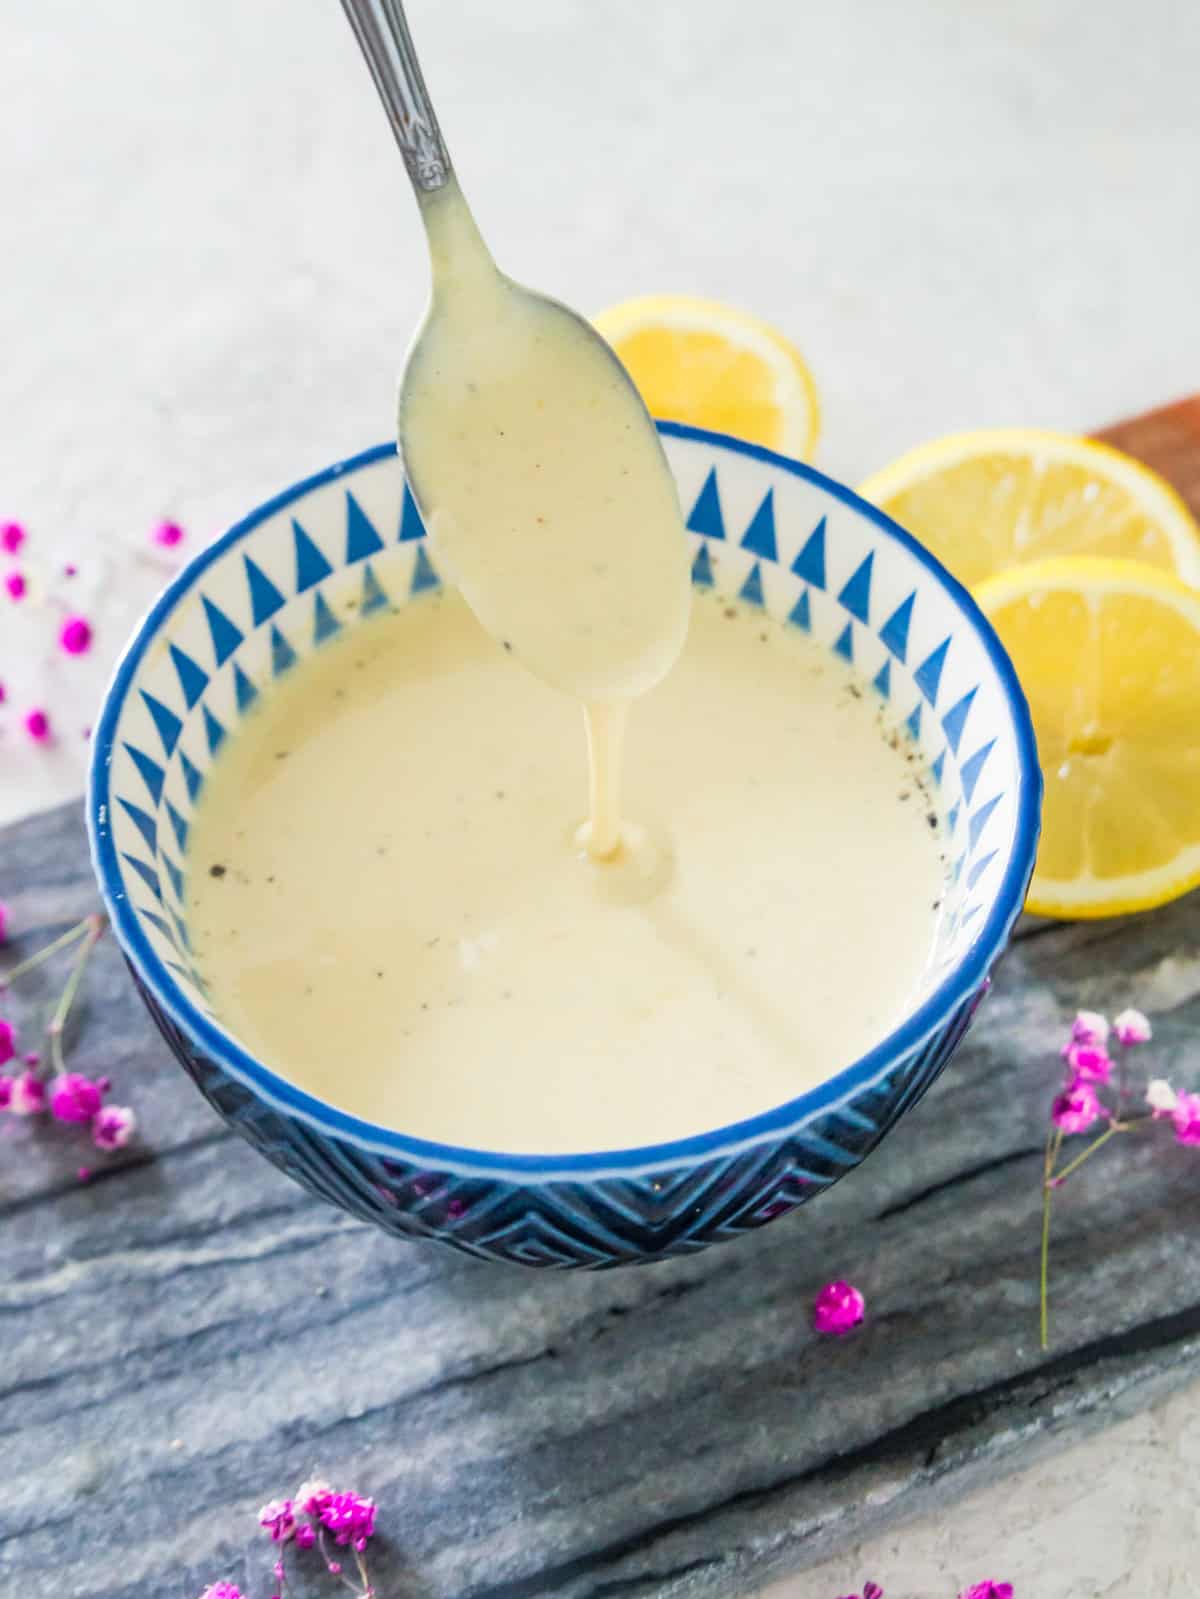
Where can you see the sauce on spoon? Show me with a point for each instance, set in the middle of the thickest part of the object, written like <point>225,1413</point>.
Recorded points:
<point>545,491</point>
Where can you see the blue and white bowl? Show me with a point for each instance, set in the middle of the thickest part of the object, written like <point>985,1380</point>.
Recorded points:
<point>780,535</point>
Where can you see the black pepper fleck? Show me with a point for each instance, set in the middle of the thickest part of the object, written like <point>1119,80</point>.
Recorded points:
<point>216,871</point>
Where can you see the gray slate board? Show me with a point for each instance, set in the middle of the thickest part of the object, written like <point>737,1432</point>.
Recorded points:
<point>191,1334</point>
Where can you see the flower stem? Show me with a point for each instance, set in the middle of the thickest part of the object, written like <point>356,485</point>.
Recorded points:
<point>33,961</point>
<point>340,1575</point>
<point>95,929</point>
<point>1114,1127</point>
<point>368,1592</point>
<point>1052,1180</point>
<point>1044,1297</point>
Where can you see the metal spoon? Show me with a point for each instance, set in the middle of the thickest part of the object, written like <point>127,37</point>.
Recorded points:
<point>531,456</point>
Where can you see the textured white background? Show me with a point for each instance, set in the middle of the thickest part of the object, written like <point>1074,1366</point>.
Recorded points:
<point>209,268</point>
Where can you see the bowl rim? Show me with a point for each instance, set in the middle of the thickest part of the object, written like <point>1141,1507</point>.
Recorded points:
<point>770,1125</point>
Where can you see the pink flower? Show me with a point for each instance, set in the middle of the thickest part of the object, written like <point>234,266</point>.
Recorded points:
<point>74,1098</point>
<point>1131,1027</point>
<point>6,1088</point>
<point>349,1518</point>
<point>988,1590</point>
<point>1089,1027</point>
<point>14,582</point>
<point>312,1494</point>
<point>83,1173</point>
<point>1186,1117</point>
<point>70,570</point>
<point>3,693</point>
<point>1076,1108</point>
<point>278,1518</point>
<point>872,1590</point>
<point>1088,1063</point>
<point>168,534</point>
<point>12,536</point>
<point>28,1096</point>
<point>4,911</point>
<point>306,1535</point>
<point>221,1590</point>
<point>8,1041</point>
<point>839,1307</point>
<point>37,725</point>
<point>113,1127</point>
<point>1160,1097</point>
<point>76,635</point>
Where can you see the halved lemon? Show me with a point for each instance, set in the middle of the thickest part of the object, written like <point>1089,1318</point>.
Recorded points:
<point>709,365</point>
<point>1108,653</point>
<point>1002,497</point>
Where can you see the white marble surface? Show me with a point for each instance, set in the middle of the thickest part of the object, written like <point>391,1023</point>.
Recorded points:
<point>210,267</point>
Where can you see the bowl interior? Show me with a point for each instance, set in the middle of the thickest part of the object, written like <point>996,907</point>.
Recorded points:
<point>279,584</point>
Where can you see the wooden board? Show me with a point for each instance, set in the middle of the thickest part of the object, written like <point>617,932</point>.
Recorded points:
<point>191,1334</point>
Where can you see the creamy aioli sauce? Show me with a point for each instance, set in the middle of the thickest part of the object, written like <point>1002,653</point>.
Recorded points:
<point>390,909</point>
<point>545,490</point>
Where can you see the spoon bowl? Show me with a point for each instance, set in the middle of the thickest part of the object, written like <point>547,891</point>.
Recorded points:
<point>541,478</point>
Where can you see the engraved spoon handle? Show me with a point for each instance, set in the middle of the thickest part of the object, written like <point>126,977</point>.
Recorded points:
<point>383,36</point>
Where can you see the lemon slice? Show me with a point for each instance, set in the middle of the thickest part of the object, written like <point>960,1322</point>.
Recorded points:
<point>709,365</point>
<point>1108,653</point>
<point>1001,497</point>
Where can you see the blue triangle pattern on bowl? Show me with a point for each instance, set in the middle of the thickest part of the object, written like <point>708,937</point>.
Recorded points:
<point>311,566</point>
<point>810,563</point>
<point>751,590</point>
<point>265,598</point>
<point>893,635</point>
<point>362,541</point>
<point>759,537</point>
<point>374,596</point>
<point>224,634</point>
<point>152,774</point>
<point>705,516</point>
<point>856,592</point>
<point>411,525</point>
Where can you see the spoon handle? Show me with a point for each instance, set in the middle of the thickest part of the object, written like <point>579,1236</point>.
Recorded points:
<point>383,36</point>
